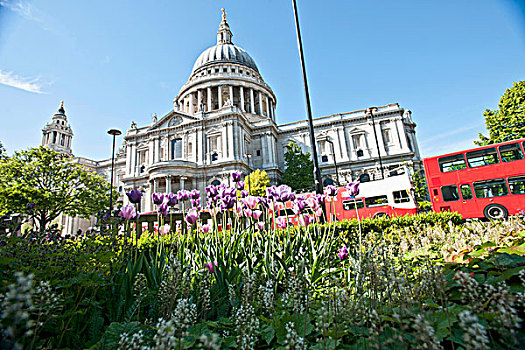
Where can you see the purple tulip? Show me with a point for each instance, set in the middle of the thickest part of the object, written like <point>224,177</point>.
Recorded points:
<point>192,217</point>
<point>228,202</point>
<point>257,214</point>
<point>183,195</point>
<point>128,212</point>
<point>353,189</point>
<point>163,209</point>
<point>171,199</point>
<point>343,253</point>
<point>299,206</point>
<point>134,196</point>
<point>244,193</point>
<point>236,176</point>
<point>331,190</point>
<point>260,225</point>
<point>158,198</point>
<point>195,202</point>
<point>205,228</point>
<point>212,191</point>
<point>312,203</point>
<point>240,185</point>
<point>195,194</point>
<point>304,220</point>
<point>284,193</point>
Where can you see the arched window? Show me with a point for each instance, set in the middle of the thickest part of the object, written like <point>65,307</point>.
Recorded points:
<point>364,177</point>
<point>328,182</point>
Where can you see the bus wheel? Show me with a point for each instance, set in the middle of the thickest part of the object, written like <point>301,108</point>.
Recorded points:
<point>495,211</point>
<point>381,215</point>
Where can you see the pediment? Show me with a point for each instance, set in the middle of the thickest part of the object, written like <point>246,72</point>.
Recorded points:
<point>173,119</point>
<point>356,131</point>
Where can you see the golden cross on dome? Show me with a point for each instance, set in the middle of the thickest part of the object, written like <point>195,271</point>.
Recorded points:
<point>223,14</point>
<point>61,104</point>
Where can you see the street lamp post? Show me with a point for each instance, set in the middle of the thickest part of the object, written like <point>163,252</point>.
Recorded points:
<point>248,156</point>
<point>115,133</point>
<point>317,170</point>
<point>335,161</point>
<point>371,111</point>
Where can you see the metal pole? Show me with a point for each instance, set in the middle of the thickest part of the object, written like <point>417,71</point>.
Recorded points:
<point>335,161</point>
<point>113,132</point>
<point>112,166</point>
<point>317,171</point>
<point>371,111</point>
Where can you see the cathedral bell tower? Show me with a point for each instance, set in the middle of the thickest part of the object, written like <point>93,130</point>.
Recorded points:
<point>58,134</point>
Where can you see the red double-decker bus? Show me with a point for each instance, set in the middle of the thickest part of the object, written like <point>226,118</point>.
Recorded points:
<point>487,181</point>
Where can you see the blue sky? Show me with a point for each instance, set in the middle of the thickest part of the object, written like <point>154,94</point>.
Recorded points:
<point>117,61</point>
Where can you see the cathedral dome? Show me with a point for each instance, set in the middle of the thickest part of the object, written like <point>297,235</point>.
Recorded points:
<point>224,53</point>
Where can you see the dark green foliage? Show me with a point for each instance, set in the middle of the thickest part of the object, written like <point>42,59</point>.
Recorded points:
<point>299,171</point>
<point>508,122</point>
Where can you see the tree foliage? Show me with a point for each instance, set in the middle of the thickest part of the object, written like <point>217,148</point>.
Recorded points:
<point>299,171</point>
<point>43,183</point>
<point>258,181</point>
<point>3,152</point>
<point>508,122</point>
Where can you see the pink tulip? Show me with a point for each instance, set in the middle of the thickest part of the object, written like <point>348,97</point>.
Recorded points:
<point>248,213</point>
<point>192,217</point>
<point>312,203</point>
<point>257,214</point>
<point>319,212</point>
<point>210,266</point>
<point>281,222</point>
<point>205,228</point>
<point>260,225</point>
<point>304,220</point>
<point>250,201</point>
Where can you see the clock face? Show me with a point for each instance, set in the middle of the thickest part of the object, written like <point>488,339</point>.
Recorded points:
<point>175,121</point>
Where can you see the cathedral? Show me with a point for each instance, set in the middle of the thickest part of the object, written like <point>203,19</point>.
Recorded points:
<point>223,119</point>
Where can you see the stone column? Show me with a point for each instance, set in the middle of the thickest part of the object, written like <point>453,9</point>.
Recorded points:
<point>128,159</point>
<point>133,160</point>
<point>231,95</point>
<point>208,95</point>
<point>219,95</point>
<point>182,179</point>
<point>267,106</point>
<point>252,102</point>
<point>377,126</point>
<point>241,91</point>
<point>224,143</point>
<point>151,147</point>
<point>402,135</point>
<point>260,104</point>
<point>199,99</point>
<point>269,147</point>
<point>231,147</point>
<point>156,149</point>
<point>168,184</point>
<point>191,111</point>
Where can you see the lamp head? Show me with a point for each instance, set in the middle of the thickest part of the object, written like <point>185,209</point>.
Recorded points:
<point>114,132</point>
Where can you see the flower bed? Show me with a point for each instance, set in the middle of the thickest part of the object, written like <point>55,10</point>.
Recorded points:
<point>428,281</point>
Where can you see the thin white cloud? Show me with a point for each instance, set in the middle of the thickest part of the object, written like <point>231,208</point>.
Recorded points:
<point>23,8</point>
<point>22,83</point>
<point>452,132</point>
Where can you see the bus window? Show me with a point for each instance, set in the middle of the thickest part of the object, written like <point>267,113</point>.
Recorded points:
<point>451,163</point>
<point>401,196</point>
<point>466,192</point>
<point>350,204</point>
<point>450,193</point>
<point>490,188</point>
<point>510,152</point>
<point>376,201</point>
<point>517,184</point>
<point>482,157</point>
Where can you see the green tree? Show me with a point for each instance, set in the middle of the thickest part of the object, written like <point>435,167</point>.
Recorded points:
<point>299,171</point>
<point>508,122</point>
<point>43,184</point>
<point>258,180</point>
<point>421,190</point>
<point>3,152</point>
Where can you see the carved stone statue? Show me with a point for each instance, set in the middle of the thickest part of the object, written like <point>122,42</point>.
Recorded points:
<point>227,103</point>
<point>154,118</point>
<point>133,125</point>
<point>408,114</point>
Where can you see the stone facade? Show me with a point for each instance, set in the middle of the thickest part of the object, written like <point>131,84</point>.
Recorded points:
<point>226,111</point>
